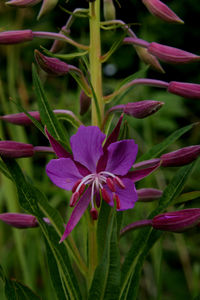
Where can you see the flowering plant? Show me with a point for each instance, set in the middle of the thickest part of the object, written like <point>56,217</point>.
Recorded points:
<point>91,156</point>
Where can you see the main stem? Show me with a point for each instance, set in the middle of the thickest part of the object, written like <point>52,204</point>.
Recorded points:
<point>95,63</point>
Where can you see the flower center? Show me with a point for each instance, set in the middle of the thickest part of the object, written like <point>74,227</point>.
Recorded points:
<point>98,182</point>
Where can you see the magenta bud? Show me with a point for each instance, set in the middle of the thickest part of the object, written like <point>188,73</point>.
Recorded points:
<point>12,149</point>
<point>171,55</point>
<point>177,221</point>
<point>148,194</point>
<point>51,65</point>
<point>162,11</point>
<point>19,220</point>
<point>140,109</point>
<point>184,89</point>
<point>22,3</point>
<point>180,157</point>
<point>85,103</point>
<point>16,36</point>
<point>21,118</point>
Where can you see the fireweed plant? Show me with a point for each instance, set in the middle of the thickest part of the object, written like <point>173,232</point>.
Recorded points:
<point>97,163</point>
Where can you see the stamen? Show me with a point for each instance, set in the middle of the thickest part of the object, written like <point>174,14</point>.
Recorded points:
<point>117,200</point>
<point>81,190</point>
<point>74,199</point>
<point>119,182</point>
<point>110,184</point>
<point>94,213</point>
<point>76,185</point>
<point>105,195</point>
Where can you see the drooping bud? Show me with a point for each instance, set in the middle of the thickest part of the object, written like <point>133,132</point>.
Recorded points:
<point>109,10</point>
<point>16,36</point>
<point>162,11</point>
<point>52,66</point>
<point>177,221</point>
<point>184,89</point>
<point>171,55</point>
<point>180,157</point>
<point>19,220</point>
<point>47,5</point>
<point>140,109</point>
<point>12,149</point>
<point>22,3</point>
<point>148,194</point>
<point>85,103</point>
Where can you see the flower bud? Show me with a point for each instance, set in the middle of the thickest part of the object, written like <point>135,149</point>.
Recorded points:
<point>85,103</point>
<point>148,194</point>
<point>19,220</point>
<point>170,54</point>
<point>180,157</point>
<point>162,11</point>
<point>140,109</point>
<point>184,89</point>
<point>51,65</point>
<point>12,149</point>
<point>22,3</point>
<point>109,10</point>
<point>21,118</point>
<point>177,221</point>
<point>16,36</point>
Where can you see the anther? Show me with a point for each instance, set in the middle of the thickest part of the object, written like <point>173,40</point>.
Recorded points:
<point>110,184</point>
<point>74,199</point>
<point>81,189</point>
<point>119,182</point>
<point>105,195</point>
<point>94,213</point>
<point>76,185</point>
<point>117,200</point>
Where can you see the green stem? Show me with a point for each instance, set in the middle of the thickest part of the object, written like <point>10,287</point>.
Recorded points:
<point>95,63</point>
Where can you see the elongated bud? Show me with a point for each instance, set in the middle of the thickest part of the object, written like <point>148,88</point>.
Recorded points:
<point>12,149</point>
<point>177,221</point>
<point>184,89</point>
<point>85,103</point>
<point>171,55</point>
<point>140,109</point>
<point>51,65</point>
<point>47,5</point>
<point>162,11</point>
<point>21,118</point>
<point>22,3</point>
<point>19,220</point>
<point>180,157</point>
<point>148,194</point>
<point>15,36</point>
<point>149,59</point>
<point>109,10</point>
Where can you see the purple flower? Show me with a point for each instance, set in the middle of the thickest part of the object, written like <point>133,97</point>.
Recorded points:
<point>95,170</point>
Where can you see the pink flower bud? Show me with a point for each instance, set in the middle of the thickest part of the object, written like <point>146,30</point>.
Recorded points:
<point>184,89</point>
<point>15,149</point>
<point>140,109</point>
<point>170,54</point>
<point>19,220</point>
<point>51,65</point>
<point>177,221</point>
<point>162,11</point>
<point>22,3</point>
<point>16,36</point>
<point>21,118</point>
<point>180,157</point>
<point>85,102</point>
<point>148,194</point>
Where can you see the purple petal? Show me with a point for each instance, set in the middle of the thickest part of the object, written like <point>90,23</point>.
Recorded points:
<point>63,173</point>
<point>77,213</point>
<point>127,196</point>
<point>121,156</point>
<point>58,149</point>
<point>87,146</point>
<point>141,173</point>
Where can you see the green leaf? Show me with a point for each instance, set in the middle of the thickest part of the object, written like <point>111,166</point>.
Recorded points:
<point>187,197</point>
<point>105,284</point>
<point>156,150</point>
<point>4,170</point>
<point>170,193</point>
<point>65,56</point>
<point>102,226</point>
<point>47,116</point>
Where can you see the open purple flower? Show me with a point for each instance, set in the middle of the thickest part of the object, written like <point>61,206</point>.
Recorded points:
<point>94,171</point>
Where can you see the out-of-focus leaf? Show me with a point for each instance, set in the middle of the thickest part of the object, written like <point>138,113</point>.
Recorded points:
<point>187,197</point>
